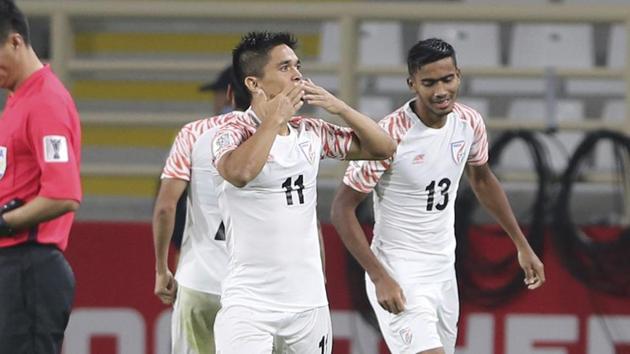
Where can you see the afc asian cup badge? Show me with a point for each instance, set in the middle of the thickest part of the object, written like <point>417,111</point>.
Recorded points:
<point>3,161</point>
<point>406,335</point>
<point>457,151</point>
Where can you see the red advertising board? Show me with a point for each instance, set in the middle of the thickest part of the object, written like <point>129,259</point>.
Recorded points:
<point>116,313</point>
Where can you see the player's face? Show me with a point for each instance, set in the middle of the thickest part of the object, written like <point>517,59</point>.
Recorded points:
<point>8,63</point>
<point>282,69</point>
<point>436,85</point>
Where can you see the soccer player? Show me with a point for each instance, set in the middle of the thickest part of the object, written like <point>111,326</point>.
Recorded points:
<point>40,188</point>
<point>410,277</point>
<point>196,287</point>
<point>274,289</point>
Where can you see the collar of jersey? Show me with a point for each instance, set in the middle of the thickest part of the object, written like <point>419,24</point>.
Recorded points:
<point>28,84</point>
<point>252,117</point>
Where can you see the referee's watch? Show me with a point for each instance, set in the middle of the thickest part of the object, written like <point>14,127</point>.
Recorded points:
<point>5,229</point>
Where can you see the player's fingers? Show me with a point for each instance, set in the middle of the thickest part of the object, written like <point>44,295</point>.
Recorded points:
<point>540,271</point>
<point>384,305</point>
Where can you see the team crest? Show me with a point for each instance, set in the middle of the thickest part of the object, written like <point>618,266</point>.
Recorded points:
<point>3,161</point>
<point>406,335</point>
<point>307,150</point>
<point>457,151</point>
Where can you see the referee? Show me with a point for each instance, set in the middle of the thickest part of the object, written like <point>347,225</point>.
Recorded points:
<point>40,189</point>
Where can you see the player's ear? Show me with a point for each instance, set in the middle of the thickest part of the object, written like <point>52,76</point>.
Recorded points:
<point>410,83</point>
<point>252,84</point>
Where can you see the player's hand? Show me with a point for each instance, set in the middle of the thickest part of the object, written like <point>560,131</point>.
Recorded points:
<point>280,108</point>
<point>533,268</point>
<point>390,295</point>
<point>318,96</point>
<point>165,287</point>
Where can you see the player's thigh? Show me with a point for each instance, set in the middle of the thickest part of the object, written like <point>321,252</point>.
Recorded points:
<point>448,315</point>
<point>308,332</point>
<point>415,330</point>
<point>239,330</point>
<point>192,324</point>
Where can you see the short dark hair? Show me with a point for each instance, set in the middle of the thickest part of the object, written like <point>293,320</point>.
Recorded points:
<point>428,51</point>
<point>251,54</point>
<point>12,20</point>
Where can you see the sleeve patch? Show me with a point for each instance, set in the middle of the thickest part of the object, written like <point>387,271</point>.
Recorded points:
<point>55,148</point>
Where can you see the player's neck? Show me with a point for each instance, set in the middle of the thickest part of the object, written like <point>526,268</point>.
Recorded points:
<point>428,119</point>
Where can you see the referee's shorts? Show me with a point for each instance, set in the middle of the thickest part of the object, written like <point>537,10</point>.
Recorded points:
<point>36,294</point>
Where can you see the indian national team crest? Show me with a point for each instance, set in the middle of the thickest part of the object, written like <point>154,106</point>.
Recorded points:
<point>3,161</point>
<point>307,150</point>
<point>457,151</point>
<point>406,335</point>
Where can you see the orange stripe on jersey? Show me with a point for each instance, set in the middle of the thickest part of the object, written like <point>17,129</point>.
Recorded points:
<point>363,176</point>
<point>178,163</point>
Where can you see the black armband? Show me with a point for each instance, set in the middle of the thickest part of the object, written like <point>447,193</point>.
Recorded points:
<point>5,229</point>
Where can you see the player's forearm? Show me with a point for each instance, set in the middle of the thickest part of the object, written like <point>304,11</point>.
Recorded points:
<point>38,210</point>
<point>373,142</point>
<point>349,229</point>
<point>163,221</point>
<point>244,163</point>
<point>493,198</point>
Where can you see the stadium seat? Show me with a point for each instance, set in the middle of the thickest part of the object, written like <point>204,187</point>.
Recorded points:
<point>560,146</point>
<point>380,43</point>
<point>552,45</point>
<point>376,107</point>
<point>481,105</point>
<point>467,38</point>
<point>617,46</point>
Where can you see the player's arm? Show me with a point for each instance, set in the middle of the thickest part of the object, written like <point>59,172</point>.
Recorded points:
<point>343,217</point>
<point>38,210</point>
<point>490,194</point>
<point>170,191</point>
<point>370,142</point>
<point>242,164</point>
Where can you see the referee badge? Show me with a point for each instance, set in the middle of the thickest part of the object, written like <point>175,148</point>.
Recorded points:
<point>457,151</point>
<point>3,160</point>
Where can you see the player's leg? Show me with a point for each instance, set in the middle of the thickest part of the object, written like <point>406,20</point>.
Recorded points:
<point>448,315</point>
<point>239,329</point>
<point>192,324</point>
<point>308,332</point>
<point>15,323</point>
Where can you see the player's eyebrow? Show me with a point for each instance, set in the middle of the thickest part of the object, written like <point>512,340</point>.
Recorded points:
<point>446,77</point>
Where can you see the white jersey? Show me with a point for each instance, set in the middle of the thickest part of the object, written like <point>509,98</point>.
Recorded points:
<point>203,258</point>
<point>415,190</point>
<point>271,223</point>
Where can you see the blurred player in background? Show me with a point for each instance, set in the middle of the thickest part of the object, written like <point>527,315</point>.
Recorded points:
<point>196,287</point>
<point>410,277</point>
<point>40,188</point>
<point>268,161</point>
<point>222,102</point>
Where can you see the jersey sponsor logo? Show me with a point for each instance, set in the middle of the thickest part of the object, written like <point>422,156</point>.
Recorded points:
<point>3,160</point>
<point>406,335</point>
<point>418,159</point>
<point>55,148</point>
<point>307,150</point>
<point>457,151</point>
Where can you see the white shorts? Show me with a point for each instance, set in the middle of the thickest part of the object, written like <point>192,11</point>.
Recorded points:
<point>192,323</point>
<point>429,320</point>
<point>241,329</point>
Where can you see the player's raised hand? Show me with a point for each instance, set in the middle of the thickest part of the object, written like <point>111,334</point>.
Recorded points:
<point>389,295</point>
<point>282,106</point>
<point>165,287</point>
<point>318,96</point>
<point>533,268</point>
